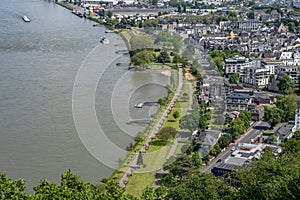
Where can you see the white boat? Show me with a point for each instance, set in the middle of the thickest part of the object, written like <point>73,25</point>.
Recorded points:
<point>104,40</point>
<point>25,18</point>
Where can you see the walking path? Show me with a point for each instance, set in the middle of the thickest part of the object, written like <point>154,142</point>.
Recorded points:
<point>155,130</point>
<point>191,95</point>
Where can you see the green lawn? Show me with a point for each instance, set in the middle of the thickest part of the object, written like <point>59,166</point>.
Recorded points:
<point>155,157</point>
<point>138,182</point>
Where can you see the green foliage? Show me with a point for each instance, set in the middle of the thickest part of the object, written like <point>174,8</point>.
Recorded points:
<point>233,78</point>
<point>166,133</point>
<point>109,14</point>
<point>169,42</point>
<point>272,177</point>
<point>224,141</point>
<point>236,127</point>
<point>215,150</point>
<point>288,105</point>
<point>181,167</point>
<point>201,187</point>
<point>163,57</point>
<point>176,114</point>
<point>10,189</point>
<point>197,161</point>
<point>142,58</point>
<point>273,115</point>
<point>140,159</point>
<point>141,42</point>
<point>190,122</point>
<point>286,85</point>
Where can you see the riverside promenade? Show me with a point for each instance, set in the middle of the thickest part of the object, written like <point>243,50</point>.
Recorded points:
<point>133,166</point>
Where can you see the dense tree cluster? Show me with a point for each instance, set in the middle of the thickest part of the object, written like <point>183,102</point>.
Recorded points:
<point>283,111</point>
<point>274,176</point>
<point>238,126</point>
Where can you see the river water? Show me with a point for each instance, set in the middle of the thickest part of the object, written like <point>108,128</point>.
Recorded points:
<point>48,69</point>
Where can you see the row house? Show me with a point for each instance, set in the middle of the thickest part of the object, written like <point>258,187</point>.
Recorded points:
<point>237,101</point>
<point>249,25</point>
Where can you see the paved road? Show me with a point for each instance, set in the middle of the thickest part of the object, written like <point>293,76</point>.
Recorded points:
<point>252,133</point>
<point>155,130</point>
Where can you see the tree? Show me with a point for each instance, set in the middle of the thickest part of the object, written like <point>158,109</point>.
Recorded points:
<point>233,78</point>
<point>236,127</point>
<point>288,105</point>
<point>245,117</point>
<point>109,14</point>
<point>176,114</point>
<point>177,59</point>
<point>163,57</point>
<point>202,122</point>
<point>224,141</point>
<point>286,85</point>
<point>273,115</point>
<point>190,122</point>
<point>10,189</point>
<point>182,167</point>
<point>141,42</point>
<point>197,161</point>
<point>215,150</point>
<point>166,133</point>
<point>201,186</point>
<point>140,161</point>
<point>142,58</point>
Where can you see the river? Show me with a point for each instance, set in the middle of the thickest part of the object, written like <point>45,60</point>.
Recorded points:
<point>47,71</point>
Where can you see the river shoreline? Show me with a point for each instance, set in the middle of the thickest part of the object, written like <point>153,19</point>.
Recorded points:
<point>147,130</point>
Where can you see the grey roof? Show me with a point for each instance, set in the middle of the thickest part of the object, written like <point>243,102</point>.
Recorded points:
<point>226,166</point>
<point>284,131</point>
<point>238,96</point>
<point>236,161</point>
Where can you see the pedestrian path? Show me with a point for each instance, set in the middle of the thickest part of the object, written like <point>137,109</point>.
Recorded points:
<point>133,166</point>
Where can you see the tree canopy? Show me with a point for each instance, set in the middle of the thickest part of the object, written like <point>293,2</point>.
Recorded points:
<point>286,85</point>
<point>141,42</point>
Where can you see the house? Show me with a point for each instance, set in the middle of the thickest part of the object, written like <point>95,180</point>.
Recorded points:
<point>262,98</point>
<point>207,139</point>
<point>240,157</point>
<point>257,112</point>
<point>284,132</point>
<point>237,101</point>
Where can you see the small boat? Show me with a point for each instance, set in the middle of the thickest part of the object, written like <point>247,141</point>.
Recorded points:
<point>76,12</point>
<point>139,105</point>
<point>104,40</point>
<point>109,31</point>
<point>25,18</point>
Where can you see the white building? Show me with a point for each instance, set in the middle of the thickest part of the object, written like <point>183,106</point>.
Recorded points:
<point>297,119</point>
<point>236,65</point>
<point>290,58</point>
<point>255,75</point>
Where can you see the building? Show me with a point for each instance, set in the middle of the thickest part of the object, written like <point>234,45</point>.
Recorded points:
<point>237,101</point>
<point>249,25</point>
<point>291,71</point>
<point>297,119</point>
<point>256,76</point>
<point>284,132</point>
<point>207,139</point>
<point>238,158</point>
<point>236,65</point>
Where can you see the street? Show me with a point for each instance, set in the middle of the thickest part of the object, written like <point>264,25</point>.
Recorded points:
<point>252,133</point>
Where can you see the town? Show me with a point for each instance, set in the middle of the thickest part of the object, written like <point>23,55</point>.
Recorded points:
<point>229,126</point>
